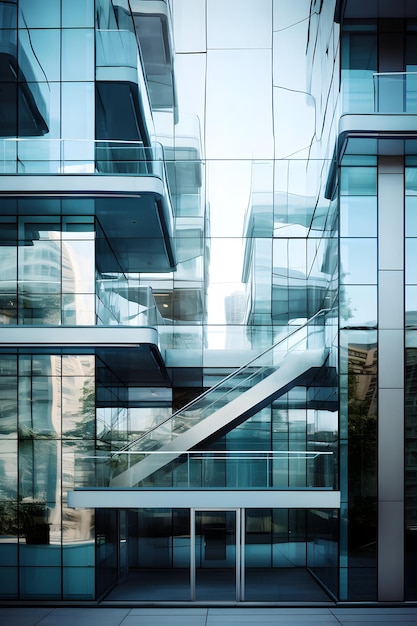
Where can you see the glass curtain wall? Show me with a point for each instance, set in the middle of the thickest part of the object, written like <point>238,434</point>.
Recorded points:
<point>358,374</point>
<point>410,375</point>
<point>47,418</point>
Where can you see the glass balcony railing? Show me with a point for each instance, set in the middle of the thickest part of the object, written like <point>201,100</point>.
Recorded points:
<point>388,92</point>
<point>77,156</point>
<point>237,469</point>
<point>116,48</point>
<point>395,92</point>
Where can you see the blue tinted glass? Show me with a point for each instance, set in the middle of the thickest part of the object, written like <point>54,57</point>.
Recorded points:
<point>411,216</point>
<point>411,261</point>
<point>358,306</point>
<point>77,13</point>
<point>358,181</point>
<point>358,216</point>
<point>78,117</point>
<point>411,306</point>
<point>358,261</point>
<point>44,14</point>
<point>39,54</point>
<point>78,54</point>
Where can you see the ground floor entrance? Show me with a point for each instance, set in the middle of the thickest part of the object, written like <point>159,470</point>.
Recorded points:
<point>231,555</point>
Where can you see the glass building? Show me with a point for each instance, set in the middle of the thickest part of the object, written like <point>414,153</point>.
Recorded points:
<point>208,301</point>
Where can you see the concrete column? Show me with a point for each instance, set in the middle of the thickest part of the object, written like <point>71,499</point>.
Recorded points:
<point>391,378</point>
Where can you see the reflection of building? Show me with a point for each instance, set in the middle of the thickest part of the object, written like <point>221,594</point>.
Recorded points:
<point>235,307</point>
<point>131,443</point>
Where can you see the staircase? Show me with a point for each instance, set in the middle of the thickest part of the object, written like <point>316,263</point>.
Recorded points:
<point>293,360</point>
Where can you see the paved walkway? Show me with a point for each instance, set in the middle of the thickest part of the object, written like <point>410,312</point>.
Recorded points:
<point>44,616</point>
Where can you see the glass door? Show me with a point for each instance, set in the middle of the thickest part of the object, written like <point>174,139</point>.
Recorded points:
<point>215,555</point>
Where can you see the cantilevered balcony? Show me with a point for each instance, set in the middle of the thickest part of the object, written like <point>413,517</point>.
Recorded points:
<point>377,117</point>
<point>122,184</point>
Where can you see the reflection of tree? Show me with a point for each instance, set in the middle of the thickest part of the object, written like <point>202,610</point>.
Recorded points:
<point>85,427</point>
<point>8,518</point>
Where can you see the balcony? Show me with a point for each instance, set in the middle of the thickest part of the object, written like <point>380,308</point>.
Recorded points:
<point>122,184</point>
<point>377,118</point>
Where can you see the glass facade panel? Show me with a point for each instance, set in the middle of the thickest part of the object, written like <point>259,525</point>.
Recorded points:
<point>78,122</point>
<point>358,306</point>
<point>78,54</point>
<point>77,13</point>
<point>358,260</point>
<point>39,50</point>
<point>48,15</point>
<point>411,261</point>
<point>411,216</point>
<point>358,216</point>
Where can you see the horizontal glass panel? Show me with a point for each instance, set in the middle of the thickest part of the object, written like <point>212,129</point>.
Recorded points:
<point>358,181</point>
<point>40,582</point>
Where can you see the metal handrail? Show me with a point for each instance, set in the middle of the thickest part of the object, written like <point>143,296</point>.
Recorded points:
<point>222,381</point>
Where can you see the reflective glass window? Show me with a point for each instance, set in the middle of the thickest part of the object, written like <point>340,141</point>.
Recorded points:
<point>46,14</point>
<point>411,261</point>
<point>358,306</point>
<point>358,181</point>
<point>358,216</point>
<point>78,54</point>
<point>78,120</point>
<point>411,216</point>
<point>8,455</point>
<point>358,261</point>
<point>411,305</point>
<point>39,54</point>
<point>77,13</point>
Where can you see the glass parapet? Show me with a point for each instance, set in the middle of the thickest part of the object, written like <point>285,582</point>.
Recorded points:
<point>372,92</point>
<point>71,156</point>
<point>231,469</point>
<point>395,92</point>
<point>116,48</point>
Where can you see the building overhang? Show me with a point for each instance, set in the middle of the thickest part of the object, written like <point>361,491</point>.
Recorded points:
<point>351,9</point>
<point>371,135</point>
<point>127,356</point>
<point>203,498</point>
<point>134,213</point>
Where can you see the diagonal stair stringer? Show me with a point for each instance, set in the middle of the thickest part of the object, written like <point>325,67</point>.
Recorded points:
<point>293,368</point>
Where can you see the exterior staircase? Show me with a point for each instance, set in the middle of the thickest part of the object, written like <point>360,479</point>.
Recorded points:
<point>293,360</point>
